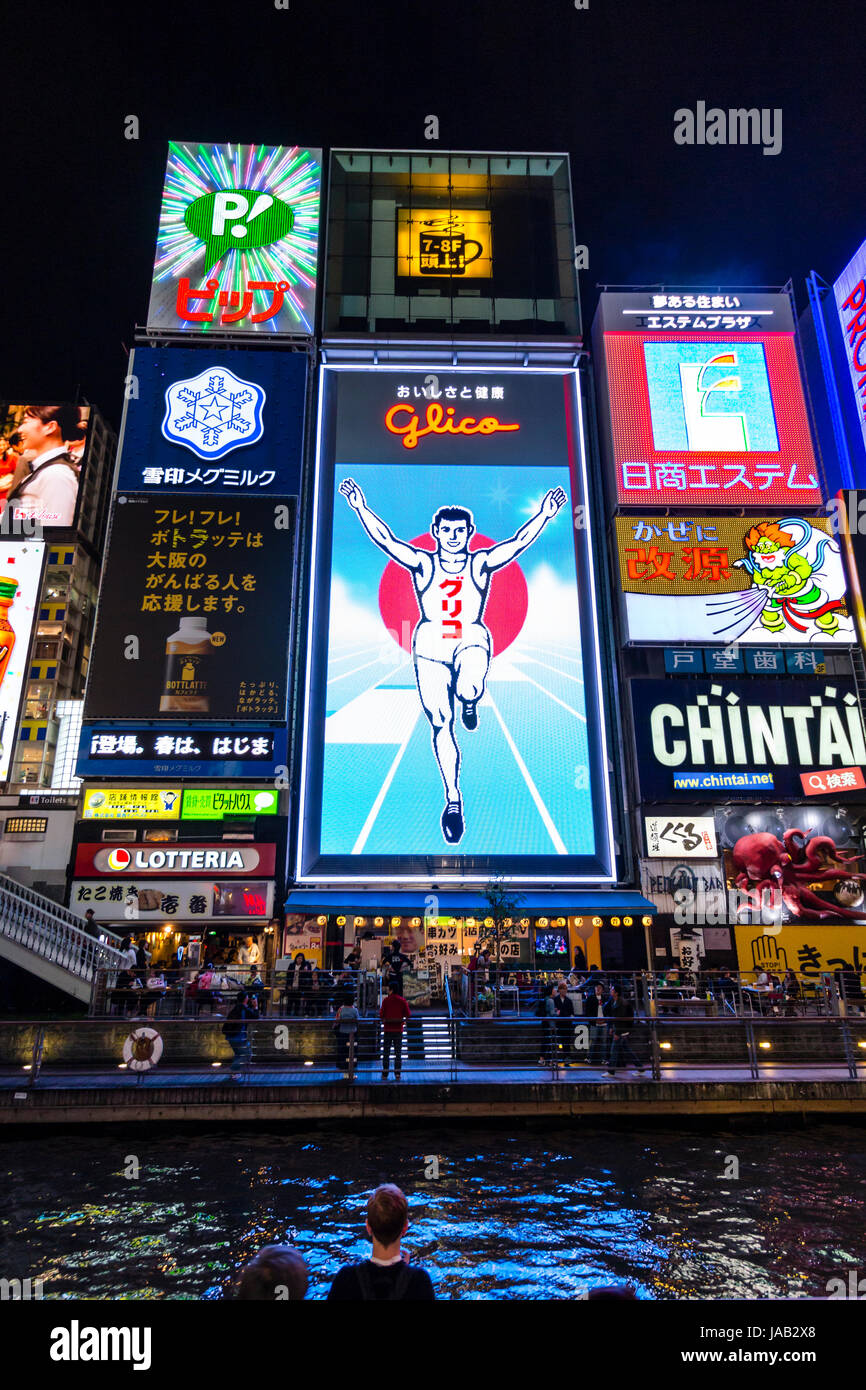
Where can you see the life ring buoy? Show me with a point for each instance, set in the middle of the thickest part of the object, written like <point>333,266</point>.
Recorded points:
<point>142,1049</point>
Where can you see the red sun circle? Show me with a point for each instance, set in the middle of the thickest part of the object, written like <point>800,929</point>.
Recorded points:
<point>504,612</point>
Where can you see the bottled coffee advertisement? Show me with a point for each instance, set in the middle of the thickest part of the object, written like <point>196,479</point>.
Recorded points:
<point>194,610</point>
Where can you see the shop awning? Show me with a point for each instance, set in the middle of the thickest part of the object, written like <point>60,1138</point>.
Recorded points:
<point>411,904</point>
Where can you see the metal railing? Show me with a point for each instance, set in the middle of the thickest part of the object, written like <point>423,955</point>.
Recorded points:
<point>54,933</point>
<point>186,992</point>
<point>273,1051</point>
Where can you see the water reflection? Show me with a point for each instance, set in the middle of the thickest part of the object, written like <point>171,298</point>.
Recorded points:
<point>523,1216</point>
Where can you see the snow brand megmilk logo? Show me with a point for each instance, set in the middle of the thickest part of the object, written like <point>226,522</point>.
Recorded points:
<point>213,413</point>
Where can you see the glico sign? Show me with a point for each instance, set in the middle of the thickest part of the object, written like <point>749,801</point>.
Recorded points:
<point>438,419</point>
<point>446,732</point>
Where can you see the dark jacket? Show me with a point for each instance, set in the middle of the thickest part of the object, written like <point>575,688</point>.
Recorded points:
<point>592,1005</point>
<point>564,1007</point>
<point>621,1014</point>
<point>235,1025</point>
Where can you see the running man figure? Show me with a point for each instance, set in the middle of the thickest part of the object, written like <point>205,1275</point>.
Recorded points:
<point>451,647</point>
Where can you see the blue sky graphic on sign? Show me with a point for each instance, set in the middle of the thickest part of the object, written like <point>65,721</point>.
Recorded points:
<point>712,397</point>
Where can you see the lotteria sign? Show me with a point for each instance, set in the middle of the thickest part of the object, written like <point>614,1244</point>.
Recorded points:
<point>98,860</point>
<point>746,738</point>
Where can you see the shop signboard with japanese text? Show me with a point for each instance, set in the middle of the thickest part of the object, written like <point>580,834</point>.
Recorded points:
<point>204,586</point>
<point>215,750</point>
<point>810,950</point>
<point>237,242</point>
<point>453,719</point>
<point>20,581</point>
<point>733,580</point>
<point>43,454</point>
<point>227,422</point>
<point>748,738</point>
<point>707,412</point>
<point>131,803</point>
<point>849,293</point>
<point>690,837</point>
<point>158,900</point>
<point>217,803</point>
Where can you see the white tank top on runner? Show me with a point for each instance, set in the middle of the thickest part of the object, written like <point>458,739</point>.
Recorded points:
<point>451,608</point>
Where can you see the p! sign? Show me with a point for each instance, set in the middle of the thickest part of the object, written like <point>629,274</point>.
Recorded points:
<point>242,219</point>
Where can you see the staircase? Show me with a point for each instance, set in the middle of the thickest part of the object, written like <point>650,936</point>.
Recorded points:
<point>436,1039</point>
<point>49,941</point>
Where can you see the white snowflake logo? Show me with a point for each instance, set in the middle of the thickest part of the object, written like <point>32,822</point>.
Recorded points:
<point>213,413</point>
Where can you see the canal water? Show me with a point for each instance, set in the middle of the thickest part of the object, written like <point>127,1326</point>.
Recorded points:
<point>527,1215</point>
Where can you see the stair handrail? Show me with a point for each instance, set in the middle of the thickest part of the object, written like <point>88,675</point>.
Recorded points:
<point>54,933</point>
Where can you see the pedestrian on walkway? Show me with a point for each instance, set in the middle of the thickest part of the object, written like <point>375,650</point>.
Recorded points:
<point>565,1023</point>
<point>346,1029</point>
<point>393,1012</point>
<point>620,1011</point>
<point>545,1010</point>
<point>593,1009</point>
<point>235,1031</point>
<point>387,1276</point>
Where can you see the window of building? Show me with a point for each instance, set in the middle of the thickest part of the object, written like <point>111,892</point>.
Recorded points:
<point>453,244</point>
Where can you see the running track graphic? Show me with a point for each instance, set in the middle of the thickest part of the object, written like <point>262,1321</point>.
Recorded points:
<point>522,773</point>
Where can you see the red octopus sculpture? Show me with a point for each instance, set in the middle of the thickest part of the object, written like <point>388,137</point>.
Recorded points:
<point>766,863</point>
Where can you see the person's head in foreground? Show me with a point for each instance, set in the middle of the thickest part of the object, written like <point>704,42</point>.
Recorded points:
<point>277,1273</point>
<point>387,1220</point>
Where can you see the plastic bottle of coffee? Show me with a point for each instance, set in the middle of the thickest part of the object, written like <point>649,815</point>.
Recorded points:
<point>8,590</point>
<point>188,654</point>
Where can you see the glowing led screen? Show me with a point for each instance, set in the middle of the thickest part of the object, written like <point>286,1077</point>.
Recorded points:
<point>453,720</point>
<point>237,241</point>
<point>733,579</point>
<point>703,419</point>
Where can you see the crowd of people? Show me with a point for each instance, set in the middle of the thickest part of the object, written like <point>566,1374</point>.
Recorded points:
<point>279,1273</point>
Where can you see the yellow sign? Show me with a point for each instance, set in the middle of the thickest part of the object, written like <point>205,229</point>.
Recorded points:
<point>444,244</point>
<point>132,803</point>
<point>808,950</point>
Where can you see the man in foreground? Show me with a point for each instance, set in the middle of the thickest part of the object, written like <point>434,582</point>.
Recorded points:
<point>387,1274</point>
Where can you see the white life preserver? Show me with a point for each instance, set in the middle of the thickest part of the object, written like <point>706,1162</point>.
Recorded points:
<point>142,1049</point>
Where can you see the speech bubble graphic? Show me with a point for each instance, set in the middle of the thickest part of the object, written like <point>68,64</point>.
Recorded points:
<point>237,218</point>
<point>264,800</point>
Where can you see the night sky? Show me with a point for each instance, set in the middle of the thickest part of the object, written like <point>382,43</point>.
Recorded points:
<point>81,202</point>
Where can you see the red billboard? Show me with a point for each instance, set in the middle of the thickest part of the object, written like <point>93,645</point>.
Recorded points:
<point>716,419</point>
<point>167,858</point>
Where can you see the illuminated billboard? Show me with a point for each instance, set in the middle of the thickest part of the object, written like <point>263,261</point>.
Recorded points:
<point>20,580</point>
<point>131,803</point>
<point>455,243</point>
<point>237,242</point>
<point>231,422</point>
<point>849,292</point>
<point>161,900</point>
<point>43,451</point>
<point>453,722</point>
<point>239,749</point>
<point>205,589</point>
<point>748,739</point>
<point>709,412</point>
<point>732,579</point>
